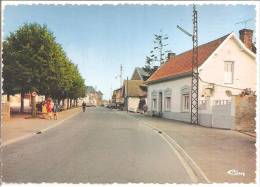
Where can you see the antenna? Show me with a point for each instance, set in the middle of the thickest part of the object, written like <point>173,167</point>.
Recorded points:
<point>244,22</point>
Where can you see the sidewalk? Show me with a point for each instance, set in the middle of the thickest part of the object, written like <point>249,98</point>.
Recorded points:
<point>19,127</point>
<point>215,151</point>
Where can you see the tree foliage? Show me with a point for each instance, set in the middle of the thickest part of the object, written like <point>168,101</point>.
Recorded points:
<point>158,55</point>
<point>34,61</point>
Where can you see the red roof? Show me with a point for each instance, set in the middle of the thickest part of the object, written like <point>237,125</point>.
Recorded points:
<point>181,64</point>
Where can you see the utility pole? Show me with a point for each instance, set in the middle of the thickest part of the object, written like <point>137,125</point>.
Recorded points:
<point>127,94</point>
<point>195,73</point>
<point>120,76</point>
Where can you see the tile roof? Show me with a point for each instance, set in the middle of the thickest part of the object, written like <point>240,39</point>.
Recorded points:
<point>181,64</point>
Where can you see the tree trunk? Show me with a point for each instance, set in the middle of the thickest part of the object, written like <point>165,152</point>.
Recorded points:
<point>8,98</point>
<point>68,103</point>
<point>22,103</point>
<point>34,109</point>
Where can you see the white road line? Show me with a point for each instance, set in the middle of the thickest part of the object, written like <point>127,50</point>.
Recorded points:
<point>189,171</point>
<point>43,130</point>
<point>172,141</point>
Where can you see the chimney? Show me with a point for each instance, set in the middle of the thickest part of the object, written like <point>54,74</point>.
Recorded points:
<point>246,36</point>
<point>171,55</point>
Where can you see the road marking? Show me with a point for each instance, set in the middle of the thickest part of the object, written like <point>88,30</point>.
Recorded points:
<point>189,171</point>
<point>35,133</point>
<point>173,143</point>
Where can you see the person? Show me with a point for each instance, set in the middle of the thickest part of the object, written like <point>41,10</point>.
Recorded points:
<point>49,108</point>
<point>44,109</point>
<point>55,110</point>
<point>84,106</point>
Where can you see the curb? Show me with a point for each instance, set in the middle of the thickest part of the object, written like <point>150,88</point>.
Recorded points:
<point>196,170</point>
<point>38,132</point>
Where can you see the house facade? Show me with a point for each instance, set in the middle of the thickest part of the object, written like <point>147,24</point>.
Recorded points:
<point>227,66</point>
<point>135,93</point>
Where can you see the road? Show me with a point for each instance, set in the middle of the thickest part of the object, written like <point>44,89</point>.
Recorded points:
<point>98,146</point>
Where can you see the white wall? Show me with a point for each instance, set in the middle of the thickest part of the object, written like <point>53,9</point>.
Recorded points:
<point>244,70</point>
<point>212,71</point>
<point>175,86</point>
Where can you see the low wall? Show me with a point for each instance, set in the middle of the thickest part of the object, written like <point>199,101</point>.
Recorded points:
<point>245,113</point>
<point>5,111</point>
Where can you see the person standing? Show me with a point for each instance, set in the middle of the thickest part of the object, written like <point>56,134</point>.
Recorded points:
<point>84,106</point>
<point>49,108</point>
<point>44,109</point>
<point>55,110</point>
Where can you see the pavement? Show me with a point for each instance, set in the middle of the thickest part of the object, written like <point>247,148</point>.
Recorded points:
<point>107,146</point>
<point>20,126</point>
<point>222,155</point>
<point>96,146</point>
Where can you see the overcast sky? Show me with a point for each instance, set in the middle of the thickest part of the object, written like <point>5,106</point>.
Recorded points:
<point>100,38</point>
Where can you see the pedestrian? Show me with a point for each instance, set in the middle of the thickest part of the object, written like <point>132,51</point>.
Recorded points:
<point>84,106</point>
<point>49,108</point>
<point>55,110</point>
<point>44,109</point>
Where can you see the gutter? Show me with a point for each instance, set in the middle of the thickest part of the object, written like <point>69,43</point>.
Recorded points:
<point>179,76</point>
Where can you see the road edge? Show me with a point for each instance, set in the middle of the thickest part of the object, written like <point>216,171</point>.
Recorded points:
<point>202,178</point>
<point>9,142</point>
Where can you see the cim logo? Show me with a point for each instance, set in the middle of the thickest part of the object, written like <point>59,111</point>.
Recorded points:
<point>235,172</point>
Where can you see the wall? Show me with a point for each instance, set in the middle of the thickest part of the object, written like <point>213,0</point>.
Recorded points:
<point>244,70</point>
<point>175,86</point>
<point>245,113</point>
<point>133,103</point>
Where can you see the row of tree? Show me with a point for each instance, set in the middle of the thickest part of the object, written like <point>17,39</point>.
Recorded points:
<point>35,62</point>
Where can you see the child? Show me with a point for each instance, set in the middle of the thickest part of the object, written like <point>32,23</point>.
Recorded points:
<point>44,109</point>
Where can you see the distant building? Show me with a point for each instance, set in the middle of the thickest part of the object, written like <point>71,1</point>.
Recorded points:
<point>140,74</point>
<point>93,97</point>
<point>117,98</point>
<point>134,93</point>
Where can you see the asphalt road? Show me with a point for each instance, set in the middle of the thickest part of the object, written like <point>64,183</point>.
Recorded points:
<point>98,146</point>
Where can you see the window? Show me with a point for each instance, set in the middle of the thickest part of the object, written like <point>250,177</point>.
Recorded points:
<point>154,104</point>
<point>228,72</point>
<point>185,103</point>
<point>167,104</point>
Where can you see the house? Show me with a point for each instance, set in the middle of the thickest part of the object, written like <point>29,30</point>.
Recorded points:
<point>135,92</point>
<point>140,74</point>
<point>15,101</point>
<point>93,97</point>
<point>117,98</point>
<point>227,65</point>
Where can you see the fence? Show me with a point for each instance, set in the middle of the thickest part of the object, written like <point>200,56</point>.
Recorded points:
<point>238,113</point>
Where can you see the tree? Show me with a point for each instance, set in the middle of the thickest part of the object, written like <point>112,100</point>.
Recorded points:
<point>158,55</point>
<point>27,59</point>
<point>34,61</point>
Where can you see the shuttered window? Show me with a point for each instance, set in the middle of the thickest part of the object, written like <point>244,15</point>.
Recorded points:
<point>228,72</point>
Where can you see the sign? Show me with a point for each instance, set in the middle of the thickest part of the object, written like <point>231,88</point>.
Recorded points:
<point>34,94</point>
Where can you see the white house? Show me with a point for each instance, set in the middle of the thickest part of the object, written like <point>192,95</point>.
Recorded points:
<point>227,65</point>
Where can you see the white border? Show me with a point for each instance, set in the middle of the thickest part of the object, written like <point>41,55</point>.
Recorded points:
<point>6,3</point>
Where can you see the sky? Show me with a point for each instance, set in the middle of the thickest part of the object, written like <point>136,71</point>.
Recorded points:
<point>100,38</point>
